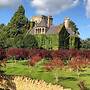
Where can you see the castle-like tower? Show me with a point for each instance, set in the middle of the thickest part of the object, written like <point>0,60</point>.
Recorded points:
<point>42,24</point>
<point>47,19</point>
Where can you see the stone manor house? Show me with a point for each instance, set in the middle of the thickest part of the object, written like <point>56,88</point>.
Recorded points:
<point>50,36</point>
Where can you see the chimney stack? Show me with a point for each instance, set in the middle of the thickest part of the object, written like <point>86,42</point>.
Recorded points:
<point>50,21</point>
<point>66,22</point>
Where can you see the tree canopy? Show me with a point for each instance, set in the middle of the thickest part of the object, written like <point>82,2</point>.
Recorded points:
<point>18,23</point>
<point>14,33</point>
<point>1,26</point>
<point>85,44</point>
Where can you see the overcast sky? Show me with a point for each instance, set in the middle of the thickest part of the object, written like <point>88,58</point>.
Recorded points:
<point>77,10</point>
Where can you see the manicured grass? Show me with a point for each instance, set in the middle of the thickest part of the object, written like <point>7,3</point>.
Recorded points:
<point>66,78</point>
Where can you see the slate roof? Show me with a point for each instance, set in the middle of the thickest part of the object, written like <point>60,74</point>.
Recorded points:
<point>70,32</point>
<point>51,30</point>
<point>43,23</point>
<point>55,29</point>
<point>59,28</point>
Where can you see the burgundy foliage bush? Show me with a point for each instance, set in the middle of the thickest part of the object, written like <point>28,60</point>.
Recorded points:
<point>78,63</point>
<point>42,52</point>
<point>61,54</point>
<point>34,60</point>
<point>17,53</point>
<point>79,53</point>
<point>55,63</point>
<point>37,54</point>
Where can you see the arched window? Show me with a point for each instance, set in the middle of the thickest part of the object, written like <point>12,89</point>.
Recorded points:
<point>43,30</point>
<point>38,30</point>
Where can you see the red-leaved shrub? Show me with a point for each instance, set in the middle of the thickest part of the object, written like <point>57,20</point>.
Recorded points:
<point>17,53</point>
<point>78,63</point>
<point>42,52</point>
<point>34,60</point>
<point>61,54</point>
<point>56,63</point>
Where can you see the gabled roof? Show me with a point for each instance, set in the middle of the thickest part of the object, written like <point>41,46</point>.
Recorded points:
<point>59,28</point>
<point>51,30</point>
<point>55,29</point>
<point>70,31</point>
<point>43,23</point>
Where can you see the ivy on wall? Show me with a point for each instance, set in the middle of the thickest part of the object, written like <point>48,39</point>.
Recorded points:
<point>56,41</point>
<point>47,41</point>
<point>63,38</point>
<point>74,42</point>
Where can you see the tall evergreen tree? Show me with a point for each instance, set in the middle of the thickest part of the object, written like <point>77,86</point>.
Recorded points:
<point>18,23</point>
<point>1,26</point>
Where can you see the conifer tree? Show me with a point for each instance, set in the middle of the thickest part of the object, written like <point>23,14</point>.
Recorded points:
<point>1,26</point>
<point>18,23</point>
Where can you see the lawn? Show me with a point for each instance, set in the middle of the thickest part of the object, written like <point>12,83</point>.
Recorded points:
<point>66,78</point>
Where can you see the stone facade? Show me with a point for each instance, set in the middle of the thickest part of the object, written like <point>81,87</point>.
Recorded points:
<point>42,24</point>
<point>50,36</point>
<point>38,19</point>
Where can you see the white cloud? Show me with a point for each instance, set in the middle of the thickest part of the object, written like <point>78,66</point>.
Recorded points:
<point>7,3</point>
<point>52,7</point>
<point>87,3</point>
